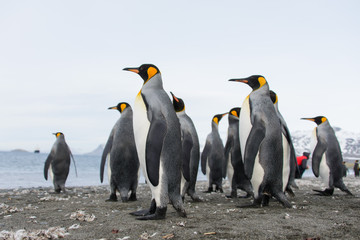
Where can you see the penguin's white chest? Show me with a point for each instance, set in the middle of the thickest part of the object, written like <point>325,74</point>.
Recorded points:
<point>141,129</point>
<point>324,170</point>
<point>230,169</point>
<point>245,125</point>
<point>245,128</point>
<point>286,162</point>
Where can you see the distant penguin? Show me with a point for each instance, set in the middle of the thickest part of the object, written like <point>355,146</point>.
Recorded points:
<point>58,163</point>
<point>123,165</point>
<point>290,164</point>
<point>158,142</point>
<point>326,156</point>
<point>212,156</point>
<point>190,148</point>
<point>261,143</point>
<point>234,165</point>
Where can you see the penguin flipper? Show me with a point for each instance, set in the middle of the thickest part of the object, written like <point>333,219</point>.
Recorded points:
<point>253,142</point>
<point>186,148</point>
<point>317,155</point>
<point>154,144</point>
<point>204,155</point>
<point>47,164</point>
<point>105,153</point>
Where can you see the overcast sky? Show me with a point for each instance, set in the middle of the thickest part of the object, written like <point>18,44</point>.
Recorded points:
<point>61,62</point>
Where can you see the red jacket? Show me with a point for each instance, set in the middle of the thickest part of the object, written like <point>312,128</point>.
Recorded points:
<point>300,159</point>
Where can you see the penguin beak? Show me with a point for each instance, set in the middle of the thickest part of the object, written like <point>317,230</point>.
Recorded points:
<point>243,80</point>
<point>310,119</point>
<point>113,108</point>
<point>174,97</point>
<point>135,70</point>
<point>225,114</point>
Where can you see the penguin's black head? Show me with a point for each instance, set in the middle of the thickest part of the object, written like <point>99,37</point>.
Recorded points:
<point>178,103</point>
<point>254,81</point>
<point>146,71</point>
<point>235,112</point>
<point>120,107</point>
<point>216,119</point>
<point>273,97</point>
<point>318,120</point>
<point>58,134</point>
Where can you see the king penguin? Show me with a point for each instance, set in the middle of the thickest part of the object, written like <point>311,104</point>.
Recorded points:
<point>261,143</point>
<point>190,148</point>
<point>290,164</point>
<point>123,165</point>
<point>58,163</point>
<point>233,160</point>
<point>326,156</point>
<point>158,143</point>
<point>212,156</point>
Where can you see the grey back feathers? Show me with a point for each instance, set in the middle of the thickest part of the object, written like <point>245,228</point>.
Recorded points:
<point>121,151</point>
<point>58,162</point>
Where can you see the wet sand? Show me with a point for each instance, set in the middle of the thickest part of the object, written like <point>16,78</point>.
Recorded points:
<point>82,213</point>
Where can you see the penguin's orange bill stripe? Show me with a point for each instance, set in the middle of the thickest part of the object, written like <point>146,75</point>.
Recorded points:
<point>310,119</point>
<point>112,108</point>
<point>175,98</point>
<point>132,70</point>
<point>239,80</point>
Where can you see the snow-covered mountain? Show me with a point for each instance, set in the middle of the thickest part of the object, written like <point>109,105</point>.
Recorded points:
<point>98,151</point>
<point>349,142</point>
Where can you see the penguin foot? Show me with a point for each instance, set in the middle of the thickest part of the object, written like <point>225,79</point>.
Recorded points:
<point>348,192</point>
<point>146,212</point>
<point>219,189</point>
<point>290,192</point>
<point>248,195</point>
<point>182,213</point>
<point>232,195</point>
<point>143,212</point>
<point>132,197</point>
<point>112,198</point>
<point>326,192</point>
<point>160,213</point>
<point>210,189</point>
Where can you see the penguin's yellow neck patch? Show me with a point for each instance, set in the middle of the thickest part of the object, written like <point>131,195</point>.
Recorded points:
<point>122,107</point>
<point>323,119</point>
<point>234,113</point>
<point>58,134</point>
<point>262,81</point>
<point>151,72</point>
<point>276,99</point>
<point>216,120</point>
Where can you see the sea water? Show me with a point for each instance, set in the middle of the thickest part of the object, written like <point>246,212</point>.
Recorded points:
<point>26,170</point>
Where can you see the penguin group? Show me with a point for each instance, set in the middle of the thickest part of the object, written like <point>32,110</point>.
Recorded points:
<point>158,137</point>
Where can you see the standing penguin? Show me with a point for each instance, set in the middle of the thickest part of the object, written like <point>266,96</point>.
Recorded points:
<point>158,142</point>
<point>190,148</point>
<point>212,156</point>
<point>261,143</point>
<point>326,156</point>
<point>290,163</point>
<point>233,160</point>
<point>58,163</point>
<point>123,165</point>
